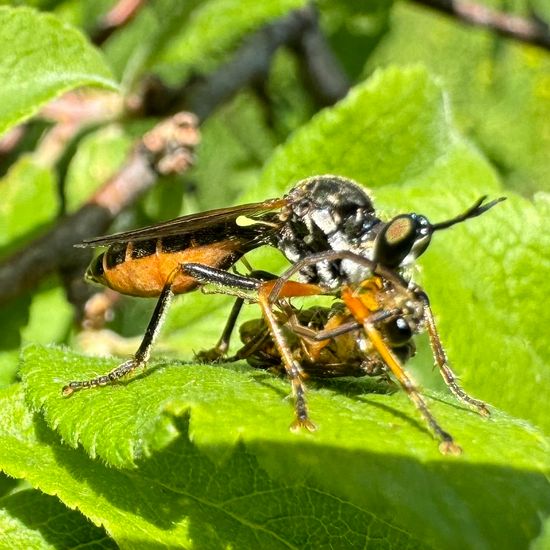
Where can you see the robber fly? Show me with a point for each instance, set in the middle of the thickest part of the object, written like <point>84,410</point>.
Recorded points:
<point>177,256</point>
<point>326,226</point>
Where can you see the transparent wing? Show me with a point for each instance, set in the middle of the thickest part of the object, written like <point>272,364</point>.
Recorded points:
<point>187,224</point>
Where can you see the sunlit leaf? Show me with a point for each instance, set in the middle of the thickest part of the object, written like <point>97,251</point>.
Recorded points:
<point>41,59</point>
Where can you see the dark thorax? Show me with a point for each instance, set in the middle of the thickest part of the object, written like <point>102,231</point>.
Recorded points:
<point>328,213</point>
<point>331,213</point>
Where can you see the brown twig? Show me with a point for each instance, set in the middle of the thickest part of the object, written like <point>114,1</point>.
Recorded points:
<point>168,147</point>
<point>531,31</point>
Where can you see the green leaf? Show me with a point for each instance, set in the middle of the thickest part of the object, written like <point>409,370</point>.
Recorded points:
<point>30,519</point>
<point>387,131</point>
<point>9,363</point>
<point>7,484</point>
<point>83,15</point>
<point>97,158</point>
<point>498,86</point>
<point>179,495</point>
<point>540,8</point>
<point>391,462</point>
<point>50,316</point>
<point>30,189</point>
<point>43,317</point>
<point>543,541</point>
<point>290,104</point>
<point>130,48</point>
<point>15,315</point>
<point>41,59</point>
<point>29,203</point>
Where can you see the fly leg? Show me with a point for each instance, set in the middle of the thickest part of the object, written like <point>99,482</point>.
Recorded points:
<point>202,273</point>
<point>142,354</point>
<point>447,444</point>
<point>443,363</point>
<point>222,346</point>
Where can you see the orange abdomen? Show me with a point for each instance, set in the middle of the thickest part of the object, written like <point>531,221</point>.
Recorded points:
<point>142,268</point>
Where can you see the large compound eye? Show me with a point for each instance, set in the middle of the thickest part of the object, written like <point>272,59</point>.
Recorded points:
<point>407,234</point>
<point>398,331</point>
<point>395,241</point>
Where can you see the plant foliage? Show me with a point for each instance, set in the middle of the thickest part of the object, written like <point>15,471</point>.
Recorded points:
<point>199,455</point>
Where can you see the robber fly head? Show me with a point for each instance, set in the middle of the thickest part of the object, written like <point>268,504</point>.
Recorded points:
<point>407,236</point>
<point>334,213</point>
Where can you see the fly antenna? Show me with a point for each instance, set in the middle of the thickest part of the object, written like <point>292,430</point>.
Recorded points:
<point>475,210</point>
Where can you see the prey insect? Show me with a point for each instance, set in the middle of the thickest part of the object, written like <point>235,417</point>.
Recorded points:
<point>327,228</point>
<point>368,332</point>
<point>326,341</point>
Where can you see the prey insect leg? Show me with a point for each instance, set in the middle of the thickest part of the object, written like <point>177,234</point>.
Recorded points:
<point>325,334</point>
<point>447,444</point>
<point>251,347</point>
<point>443,363</point>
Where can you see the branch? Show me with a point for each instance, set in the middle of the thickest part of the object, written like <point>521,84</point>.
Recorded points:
<point>325,77</point>
<point>531,31</point>
<point>250,64</point>
<point>167,148</point>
